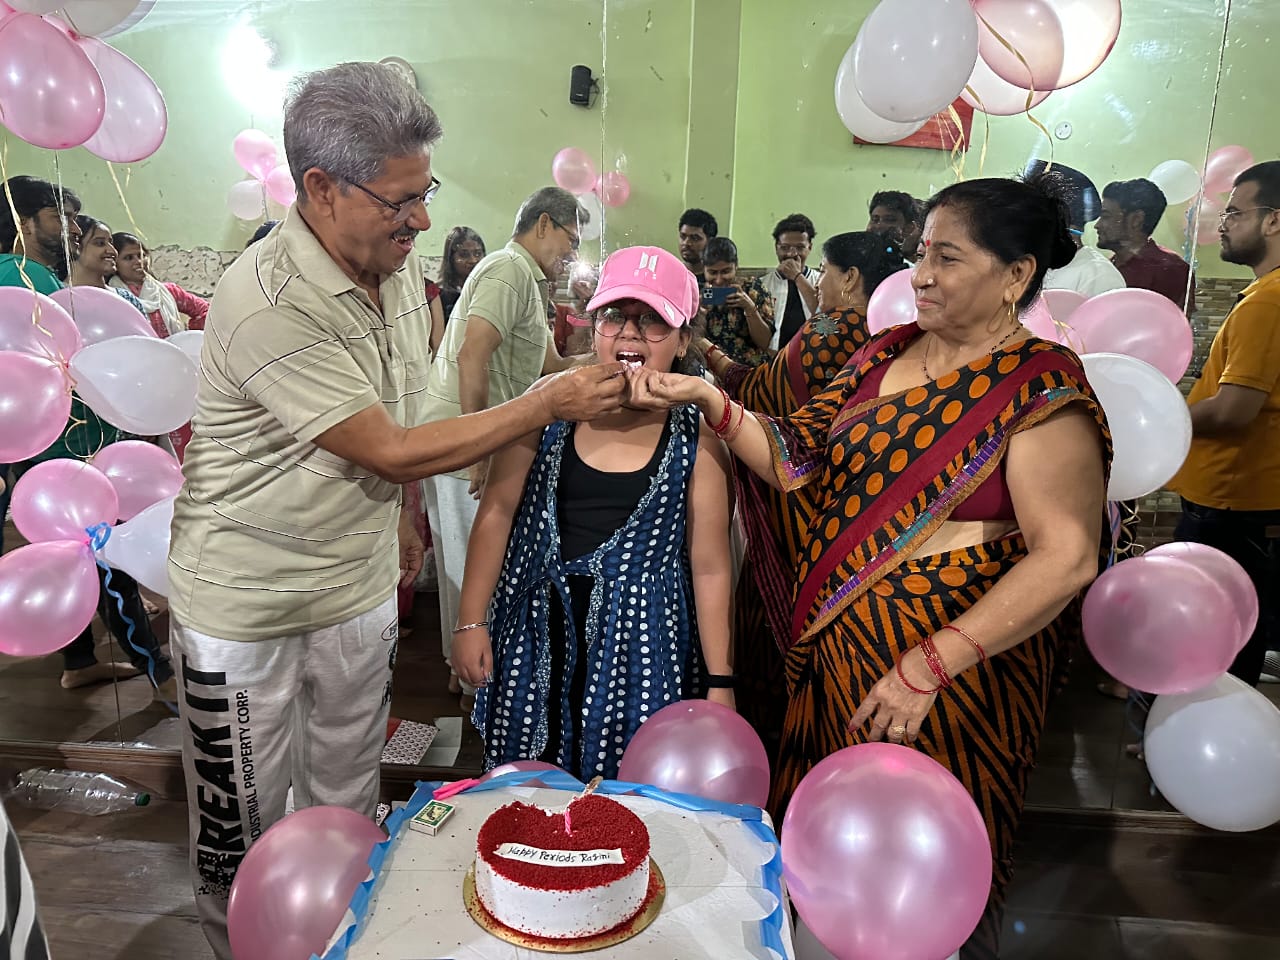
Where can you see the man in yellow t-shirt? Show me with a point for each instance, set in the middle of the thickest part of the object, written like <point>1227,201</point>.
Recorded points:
<point>287,536</point>
<point>1230,482</point>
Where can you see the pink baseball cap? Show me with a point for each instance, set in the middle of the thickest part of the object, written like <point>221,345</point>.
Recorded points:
<point>652,276</point>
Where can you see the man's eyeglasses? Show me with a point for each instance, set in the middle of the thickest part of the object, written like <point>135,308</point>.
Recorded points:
<point>611,321</point>
<point>1232,214</point>
<point>404,209</point>
<point>574,240</point>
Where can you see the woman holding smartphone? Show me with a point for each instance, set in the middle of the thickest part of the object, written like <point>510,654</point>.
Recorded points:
<point>739,316</point>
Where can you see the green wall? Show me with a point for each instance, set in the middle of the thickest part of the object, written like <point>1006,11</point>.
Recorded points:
<point>725,104</point>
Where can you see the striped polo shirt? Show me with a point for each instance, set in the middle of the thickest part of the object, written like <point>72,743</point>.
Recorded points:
<point>272,535</point>
<point>509,290</point>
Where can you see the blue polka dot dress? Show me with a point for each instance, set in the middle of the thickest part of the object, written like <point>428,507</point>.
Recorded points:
<point>641,637</point>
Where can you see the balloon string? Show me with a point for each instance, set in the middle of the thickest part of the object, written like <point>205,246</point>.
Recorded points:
<point>961,145</point>
<point>1031,90</point>
<point>99,534</point>
<point>137,231</point>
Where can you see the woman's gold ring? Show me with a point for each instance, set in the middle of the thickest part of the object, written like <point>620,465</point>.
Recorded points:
<point>898,732</point>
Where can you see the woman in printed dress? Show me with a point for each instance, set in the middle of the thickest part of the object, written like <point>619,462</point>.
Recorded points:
<point>597,581</point>
<point>960,467</point>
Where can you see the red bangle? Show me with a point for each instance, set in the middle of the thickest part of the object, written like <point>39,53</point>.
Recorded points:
<point>723,425</point>
<point>907,683</point>
<point>934,660</point>
<point>736,428</point>
<point>982,654</point>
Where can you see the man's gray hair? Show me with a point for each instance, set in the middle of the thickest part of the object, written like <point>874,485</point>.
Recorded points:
<point>350,119</point>
<point>557,203</point>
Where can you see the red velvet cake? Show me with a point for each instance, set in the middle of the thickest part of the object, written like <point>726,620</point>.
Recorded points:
<point>563,875</point>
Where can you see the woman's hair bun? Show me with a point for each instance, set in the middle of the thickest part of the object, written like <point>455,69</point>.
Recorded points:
<point>1057,191</point>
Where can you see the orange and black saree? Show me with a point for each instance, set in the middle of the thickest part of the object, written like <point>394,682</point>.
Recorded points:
<point>775,522</point>
<point>889,471</point>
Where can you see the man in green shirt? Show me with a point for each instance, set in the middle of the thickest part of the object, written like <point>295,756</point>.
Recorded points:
<point>33,251</point>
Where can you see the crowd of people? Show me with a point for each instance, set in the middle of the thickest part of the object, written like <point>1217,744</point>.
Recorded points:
<point>920,508</point>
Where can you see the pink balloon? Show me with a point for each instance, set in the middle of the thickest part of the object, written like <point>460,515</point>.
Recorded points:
<point>995,96</point>
<point>51,91</point>
<point>60,499</point>
<point>1225,164</point>
<point>1159,624</point>
<point>1208,219</point>
<point>574,170</point>
<point>295,883</point>
<point>699,747</point>
<point>31,323</point>
<point>141,474</point>
<point>35,403</point>
<point>280,185</point>
<point>1032,28</point>
<point>1063,304</point>
<point>519,766</point>
<point>873,832</point>
<point>255,153</point>
<point>614,188</point>
<point>48,595</point>
<point>1224,570</point>
<point>1047,317</point>
<point>1137,323</point>
<point>136,119</point>
<point>102,314</point>
<point>893,303</point>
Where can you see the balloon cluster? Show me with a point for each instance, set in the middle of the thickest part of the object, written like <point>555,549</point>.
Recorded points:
<point>66,509</point>
<point>62,87</point>
<point>1171,622</point>
<point>259,158</point>
<point>94,341</point>
<point>912,58</point>
<point>574,170</point>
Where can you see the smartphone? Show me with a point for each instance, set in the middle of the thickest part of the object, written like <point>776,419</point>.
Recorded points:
<point>717,296</point>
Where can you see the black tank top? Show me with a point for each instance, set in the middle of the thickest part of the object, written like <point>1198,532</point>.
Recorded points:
<point>593,504</point>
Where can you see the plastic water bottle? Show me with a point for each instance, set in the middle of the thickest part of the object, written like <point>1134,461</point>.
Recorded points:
<point>75,791</point>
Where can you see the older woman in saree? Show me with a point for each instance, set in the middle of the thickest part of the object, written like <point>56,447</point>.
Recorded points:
<point>960,467</point>
<point>853,266</point>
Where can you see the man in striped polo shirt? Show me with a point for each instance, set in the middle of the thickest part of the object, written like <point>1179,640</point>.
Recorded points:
<point>284,557</point>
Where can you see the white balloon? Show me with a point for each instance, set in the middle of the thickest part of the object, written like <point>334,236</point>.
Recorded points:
<point>34,6</point>
<point>995,96</point>
<point>593,228</point>
<point>141,384</point>
<point>95,18</point>
<point>861,120</point>
<point>140,547</point>
<point>247,199</point>
<point>1177,180</point>
<point>913,57</point>
<point>1215,754</point>
<point>190,342</point>
<point>1150,423</point>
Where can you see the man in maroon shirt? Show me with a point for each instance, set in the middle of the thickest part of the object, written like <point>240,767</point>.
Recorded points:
<point>1130,211</point>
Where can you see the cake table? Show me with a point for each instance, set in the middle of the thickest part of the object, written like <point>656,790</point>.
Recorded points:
<point>721,863</point>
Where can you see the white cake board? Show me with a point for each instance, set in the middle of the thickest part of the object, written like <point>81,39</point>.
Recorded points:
<point>711,862</point>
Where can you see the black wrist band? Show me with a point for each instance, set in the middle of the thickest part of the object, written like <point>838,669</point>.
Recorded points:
<point>720,681</point>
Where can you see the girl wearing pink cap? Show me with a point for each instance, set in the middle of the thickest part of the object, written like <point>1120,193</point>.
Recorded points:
<point>598,578</point>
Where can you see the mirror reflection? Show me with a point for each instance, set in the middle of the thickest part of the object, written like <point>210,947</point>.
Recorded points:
<point>708,130</point>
